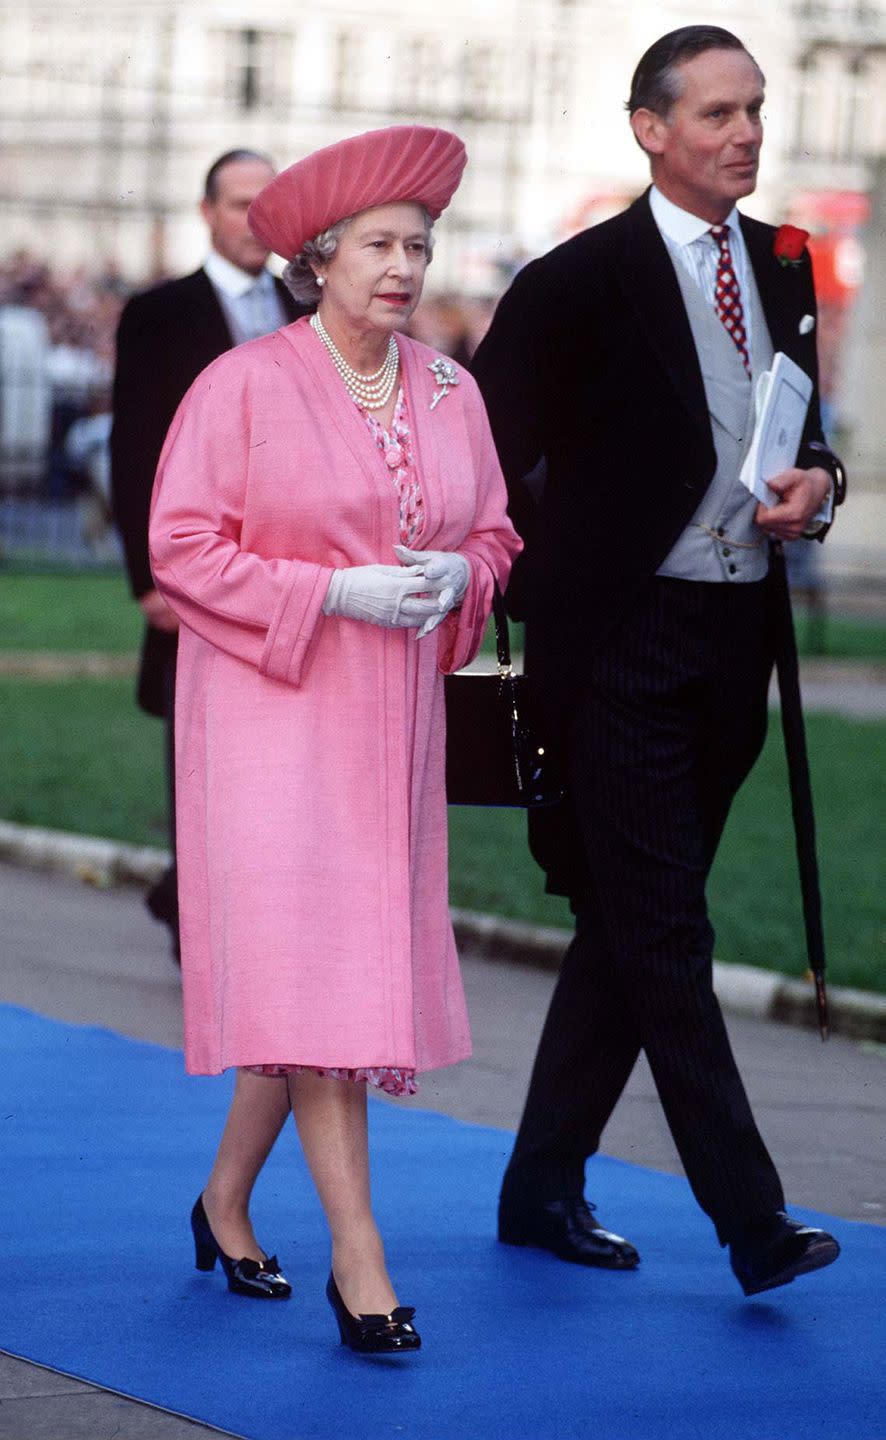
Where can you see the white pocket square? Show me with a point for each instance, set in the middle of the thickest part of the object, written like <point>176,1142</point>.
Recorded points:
<point>807,324</point>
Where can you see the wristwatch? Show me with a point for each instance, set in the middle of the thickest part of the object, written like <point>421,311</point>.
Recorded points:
<point>824,457</point>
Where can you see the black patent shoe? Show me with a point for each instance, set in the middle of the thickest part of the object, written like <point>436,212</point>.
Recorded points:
<point>776,1250</point>
<point>260,1279</point>
<point>373,1334</point>
<point>568,1229</point>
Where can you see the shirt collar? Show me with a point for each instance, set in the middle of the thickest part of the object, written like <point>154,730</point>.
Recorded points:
<point>230,279</point>
<point>679,226</point>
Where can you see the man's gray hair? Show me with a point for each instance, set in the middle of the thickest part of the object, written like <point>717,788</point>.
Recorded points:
<point>657,83</point>
<point>299,277</point>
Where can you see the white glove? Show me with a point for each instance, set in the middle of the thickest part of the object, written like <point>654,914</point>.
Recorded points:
<point>378,595</point>
<point>446,580</point>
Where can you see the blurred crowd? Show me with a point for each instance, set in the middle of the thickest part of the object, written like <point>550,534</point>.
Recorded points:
<point>452,325</point>
<point>80,310</point>
<point>57,330</point>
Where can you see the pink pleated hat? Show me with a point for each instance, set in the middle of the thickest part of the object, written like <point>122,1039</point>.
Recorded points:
<point>402,162</point>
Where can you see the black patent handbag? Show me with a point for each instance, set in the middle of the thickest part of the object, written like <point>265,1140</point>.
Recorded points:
<point>495,750</point>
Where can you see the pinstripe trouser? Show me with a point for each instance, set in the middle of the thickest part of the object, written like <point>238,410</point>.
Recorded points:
<point>669,719</point>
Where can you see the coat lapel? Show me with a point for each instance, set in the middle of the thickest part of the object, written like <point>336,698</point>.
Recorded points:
<point>652,290</point>
<point>209,322</point>
<point>334,402</point>
<point>427,425</point>
<point>774,286</point>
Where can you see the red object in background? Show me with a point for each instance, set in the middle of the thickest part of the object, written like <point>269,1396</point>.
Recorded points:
<point>836,265</point>
<point>831,209</point>
<point>834,217</point>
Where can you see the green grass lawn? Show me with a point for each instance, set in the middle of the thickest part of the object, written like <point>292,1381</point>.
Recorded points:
<point>70,610</point>
<point>841,638</point>
<point>78,755</point>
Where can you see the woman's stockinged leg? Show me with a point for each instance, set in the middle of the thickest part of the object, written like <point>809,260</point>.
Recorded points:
<point>257,1115</point>
<point>332,1124</point>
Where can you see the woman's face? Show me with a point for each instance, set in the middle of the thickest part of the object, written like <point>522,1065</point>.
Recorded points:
<point>374,280</point>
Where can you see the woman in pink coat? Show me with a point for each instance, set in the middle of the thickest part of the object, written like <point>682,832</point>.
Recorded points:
<point>328,521</point>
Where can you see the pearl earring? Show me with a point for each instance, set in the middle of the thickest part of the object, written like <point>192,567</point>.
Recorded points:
<point>321,280</point>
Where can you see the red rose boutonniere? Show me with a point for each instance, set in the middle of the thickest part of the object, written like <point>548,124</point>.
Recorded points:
<point>789,244</point>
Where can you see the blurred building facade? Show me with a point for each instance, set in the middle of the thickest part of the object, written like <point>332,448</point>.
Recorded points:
<point>112,110</point>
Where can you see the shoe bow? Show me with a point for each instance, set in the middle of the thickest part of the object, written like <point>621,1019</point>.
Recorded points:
<point>260,1269</point>
<point>372,1325</point>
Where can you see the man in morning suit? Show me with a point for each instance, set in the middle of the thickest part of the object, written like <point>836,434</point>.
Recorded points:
<point>166,336</point>
<point>623,362</point>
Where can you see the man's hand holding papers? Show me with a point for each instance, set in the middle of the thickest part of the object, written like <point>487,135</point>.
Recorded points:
<point>790,500</point>
<point>802,495</point>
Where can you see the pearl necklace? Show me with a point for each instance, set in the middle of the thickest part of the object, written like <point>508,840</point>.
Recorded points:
<point>373,391</point>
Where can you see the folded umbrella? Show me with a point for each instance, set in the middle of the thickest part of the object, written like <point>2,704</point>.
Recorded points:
<point>794,732</point>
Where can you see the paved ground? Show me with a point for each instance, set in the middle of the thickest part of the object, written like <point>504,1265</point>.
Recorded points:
<point>847,687</point>
<point>91,956</point>
<point>842,687</point>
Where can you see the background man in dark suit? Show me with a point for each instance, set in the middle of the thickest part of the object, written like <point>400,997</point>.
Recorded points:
<point>166,337</point>
<point>624,361</point>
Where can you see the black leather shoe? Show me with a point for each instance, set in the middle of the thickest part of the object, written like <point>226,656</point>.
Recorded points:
<point>776,1250</point>
<point>259,1279</point>
<point>568,1229</point>
<point>161,902</point>
<point>373,1334</point>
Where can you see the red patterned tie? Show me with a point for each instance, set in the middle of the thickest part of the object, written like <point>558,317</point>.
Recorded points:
<point>727,296</point>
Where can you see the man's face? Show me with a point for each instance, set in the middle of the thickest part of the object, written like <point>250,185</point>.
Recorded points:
<point>705,155</point>
<point>237,185</point>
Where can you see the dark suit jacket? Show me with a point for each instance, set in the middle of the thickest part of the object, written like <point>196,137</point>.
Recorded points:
<point>166,336</point>
<point>590,370</point>
<point>590,367</point>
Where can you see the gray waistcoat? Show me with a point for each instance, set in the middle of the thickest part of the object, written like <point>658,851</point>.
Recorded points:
<point>721,542</point>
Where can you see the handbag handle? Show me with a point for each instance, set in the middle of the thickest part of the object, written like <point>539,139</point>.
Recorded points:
<point>502,633</point>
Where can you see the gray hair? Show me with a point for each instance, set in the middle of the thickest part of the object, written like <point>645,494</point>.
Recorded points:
<point>657,82</point>
<point>299,277</point>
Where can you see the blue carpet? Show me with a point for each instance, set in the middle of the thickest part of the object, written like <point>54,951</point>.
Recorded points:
<point>105,1144</point>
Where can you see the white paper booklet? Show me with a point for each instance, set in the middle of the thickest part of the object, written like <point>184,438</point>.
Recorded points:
<point>781,402</point>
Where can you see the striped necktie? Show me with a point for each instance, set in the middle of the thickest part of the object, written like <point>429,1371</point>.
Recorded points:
<point>727,296</point>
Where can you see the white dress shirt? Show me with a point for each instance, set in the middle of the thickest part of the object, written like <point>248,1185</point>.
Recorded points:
<point>251,304</point>
<point>692,246</point>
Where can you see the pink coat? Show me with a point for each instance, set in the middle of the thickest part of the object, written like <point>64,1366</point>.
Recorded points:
<point>312,842</point>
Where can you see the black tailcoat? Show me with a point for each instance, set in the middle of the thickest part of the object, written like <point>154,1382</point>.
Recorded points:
<point>591,366</point>
<point>656,690</point>
<point>590,370</point>
<point>166,336</point>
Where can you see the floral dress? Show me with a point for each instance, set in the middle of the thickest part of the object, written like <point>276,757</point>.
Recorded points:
<point>395,446</point>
